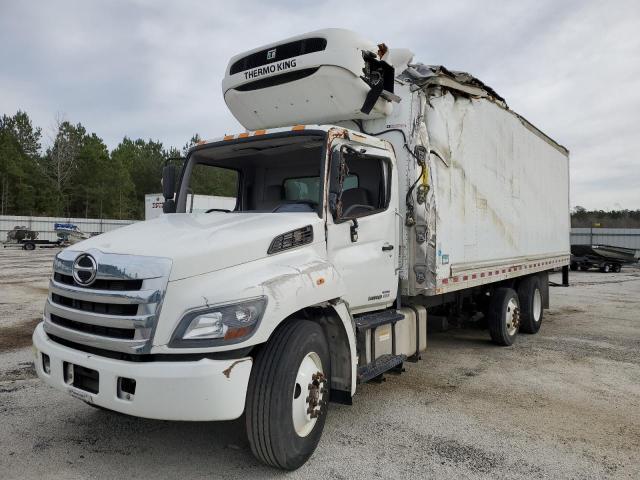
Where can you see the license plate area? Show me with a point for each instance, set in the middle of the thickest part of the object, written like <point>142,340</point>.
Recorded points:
<point>81,378</point>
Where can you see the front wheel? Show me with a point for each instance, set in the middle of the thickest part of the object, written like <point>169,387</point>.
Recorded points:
<point>288,395</point>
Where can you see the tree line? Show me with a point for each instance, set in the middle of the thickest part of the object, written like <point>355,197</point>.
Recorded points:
<point>76,175</point>
<point>581,217</point>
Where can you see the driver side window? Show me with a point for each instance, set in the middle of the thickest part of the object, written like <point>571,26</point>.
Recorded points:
<point>371,192</point>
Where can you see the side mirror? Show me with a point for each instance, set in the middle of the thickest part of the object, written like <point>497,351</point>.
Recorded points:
<point>169,188</point>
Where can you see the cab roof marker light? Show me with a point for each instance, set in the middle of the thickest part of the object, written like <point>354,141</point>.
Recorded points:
<point>297,127</point>
<point>228,137</point>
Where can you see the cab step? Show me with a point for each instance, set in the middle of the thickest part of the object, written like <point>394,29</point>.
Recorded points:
<point>375,319</point>
<point>380,365</point>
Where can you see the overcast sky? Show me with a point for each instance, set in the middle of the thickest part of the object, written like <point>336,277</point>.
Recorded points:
<point>152,69</point>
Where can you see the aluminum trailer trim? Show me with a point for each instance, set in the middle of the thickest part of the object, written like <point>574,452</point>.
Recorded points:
<point>498,272</point>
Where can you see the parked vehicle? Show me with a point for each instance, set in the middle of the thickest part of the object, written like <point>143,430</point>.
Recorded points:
<point>27,239</point>
<point>70,233</point>
<point>371,191</point>
<point>606,258</point>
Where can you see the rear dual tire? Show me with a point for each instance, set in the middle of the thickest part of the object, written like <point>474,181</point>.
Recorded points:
<point>504,316</point>
<point>531,304</point>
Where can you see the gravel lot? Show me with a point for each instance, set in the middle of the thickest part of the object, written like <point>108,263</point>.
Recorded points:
<point>564,403</point>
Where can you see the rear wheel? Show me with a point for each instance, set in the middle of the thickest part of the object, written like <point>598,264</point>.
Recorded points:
<point>531,310</point>
<point>606,268</point>
<point>288,395</point>
<point>617,267</point>
<point>29,246</point>
<point>504,316</point>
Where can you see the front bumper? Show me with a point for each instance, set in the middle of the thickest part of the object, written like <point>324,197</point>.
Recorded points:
<point>190,390</point>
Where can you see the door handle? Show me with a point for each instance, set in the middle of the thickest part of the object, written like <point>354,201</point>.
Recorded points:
<point>387,248</point>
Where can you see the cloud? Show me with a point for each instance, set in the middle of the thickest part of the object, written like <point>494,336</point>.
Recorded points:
<point>152,69</point>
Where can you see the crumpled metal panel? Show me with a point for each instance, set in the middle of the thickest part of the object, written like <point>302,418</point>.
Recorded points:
<point>422,75</point>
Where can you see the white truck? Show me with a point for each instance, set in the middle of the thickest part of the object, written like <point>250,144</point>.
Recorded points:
<point>370,191</point>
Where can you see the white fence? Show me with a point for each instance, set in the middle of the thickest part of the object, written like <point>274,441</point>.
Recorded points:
<point>44,225</point>
<point>618,237</point>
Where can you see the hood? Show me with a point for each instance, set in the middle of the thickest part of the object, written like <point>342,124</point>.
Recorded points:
<point>199,243</point>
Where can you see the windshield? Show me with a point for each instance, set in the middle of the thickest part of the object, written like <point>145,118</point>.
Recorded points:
<point>270,175</point>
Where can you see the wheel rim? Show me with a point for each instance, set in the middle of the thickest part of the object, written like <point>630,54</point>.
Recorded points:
<point>308,394</point>
<point>512,317</point>
<point>537,305</point>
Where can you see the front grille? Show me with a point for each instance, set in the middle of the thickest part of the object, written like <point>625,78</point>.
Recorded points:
<point>111,332</point>
<point>282,52</point>
<point>116,312</point>
<point>99,284</point>
<point>95,307</point>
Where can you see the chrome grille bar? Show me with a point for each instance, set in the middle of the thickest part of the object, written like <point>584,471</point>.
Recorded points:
<point>105,343</point>
<point>124,297</point>
<point>118,321</point>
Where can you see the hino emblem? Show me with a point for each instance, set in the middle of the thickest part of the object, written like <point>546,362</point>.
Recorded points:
<point>271,54</point>
<point>85,269</point>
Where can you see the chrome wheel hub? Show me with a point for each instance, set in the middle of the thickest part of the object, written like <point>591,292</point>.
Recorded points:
<point>309,394</point>
<point>537,306</point>
<point>512,317</point>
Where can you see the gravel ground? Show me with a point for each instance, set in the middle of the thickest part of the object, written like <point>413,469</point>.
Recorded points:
<point>564,403</point>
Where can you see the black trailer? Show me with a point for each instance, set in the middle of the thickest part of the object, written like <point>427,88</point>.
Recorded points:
<point>33,244</point>
<point>606,258</point>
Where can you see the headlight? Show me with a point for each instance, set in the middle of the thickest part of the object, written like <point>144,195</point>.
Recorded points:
<point>220,325</point>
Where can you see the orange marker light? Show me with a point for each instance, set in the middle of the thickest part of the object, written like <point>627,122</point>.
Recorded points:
<point>243,135</point>
<point>297,127</point>
<point>228,137</point>
<point>259,132</point>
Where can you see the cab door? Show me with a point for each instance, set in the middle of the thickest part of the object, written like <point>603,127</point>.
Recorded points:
<point>362,225</point>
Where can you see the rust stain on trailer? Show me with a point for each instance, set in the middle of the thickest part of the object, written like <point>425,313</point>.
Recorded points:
<point>482,205</point>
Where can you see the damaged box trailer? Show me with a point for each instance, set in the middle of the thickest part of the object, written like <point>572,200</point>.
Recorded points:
<point>371,193</point>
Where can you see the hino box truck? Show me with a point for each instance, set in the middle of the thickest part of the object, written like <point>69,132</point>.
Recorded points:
<point>370,192</point>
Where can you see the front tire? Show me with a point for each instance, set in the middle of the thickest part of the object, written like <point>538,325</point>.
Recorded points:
<point>288,394</point>
<point>531,304</point>
<point>504,316</point>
